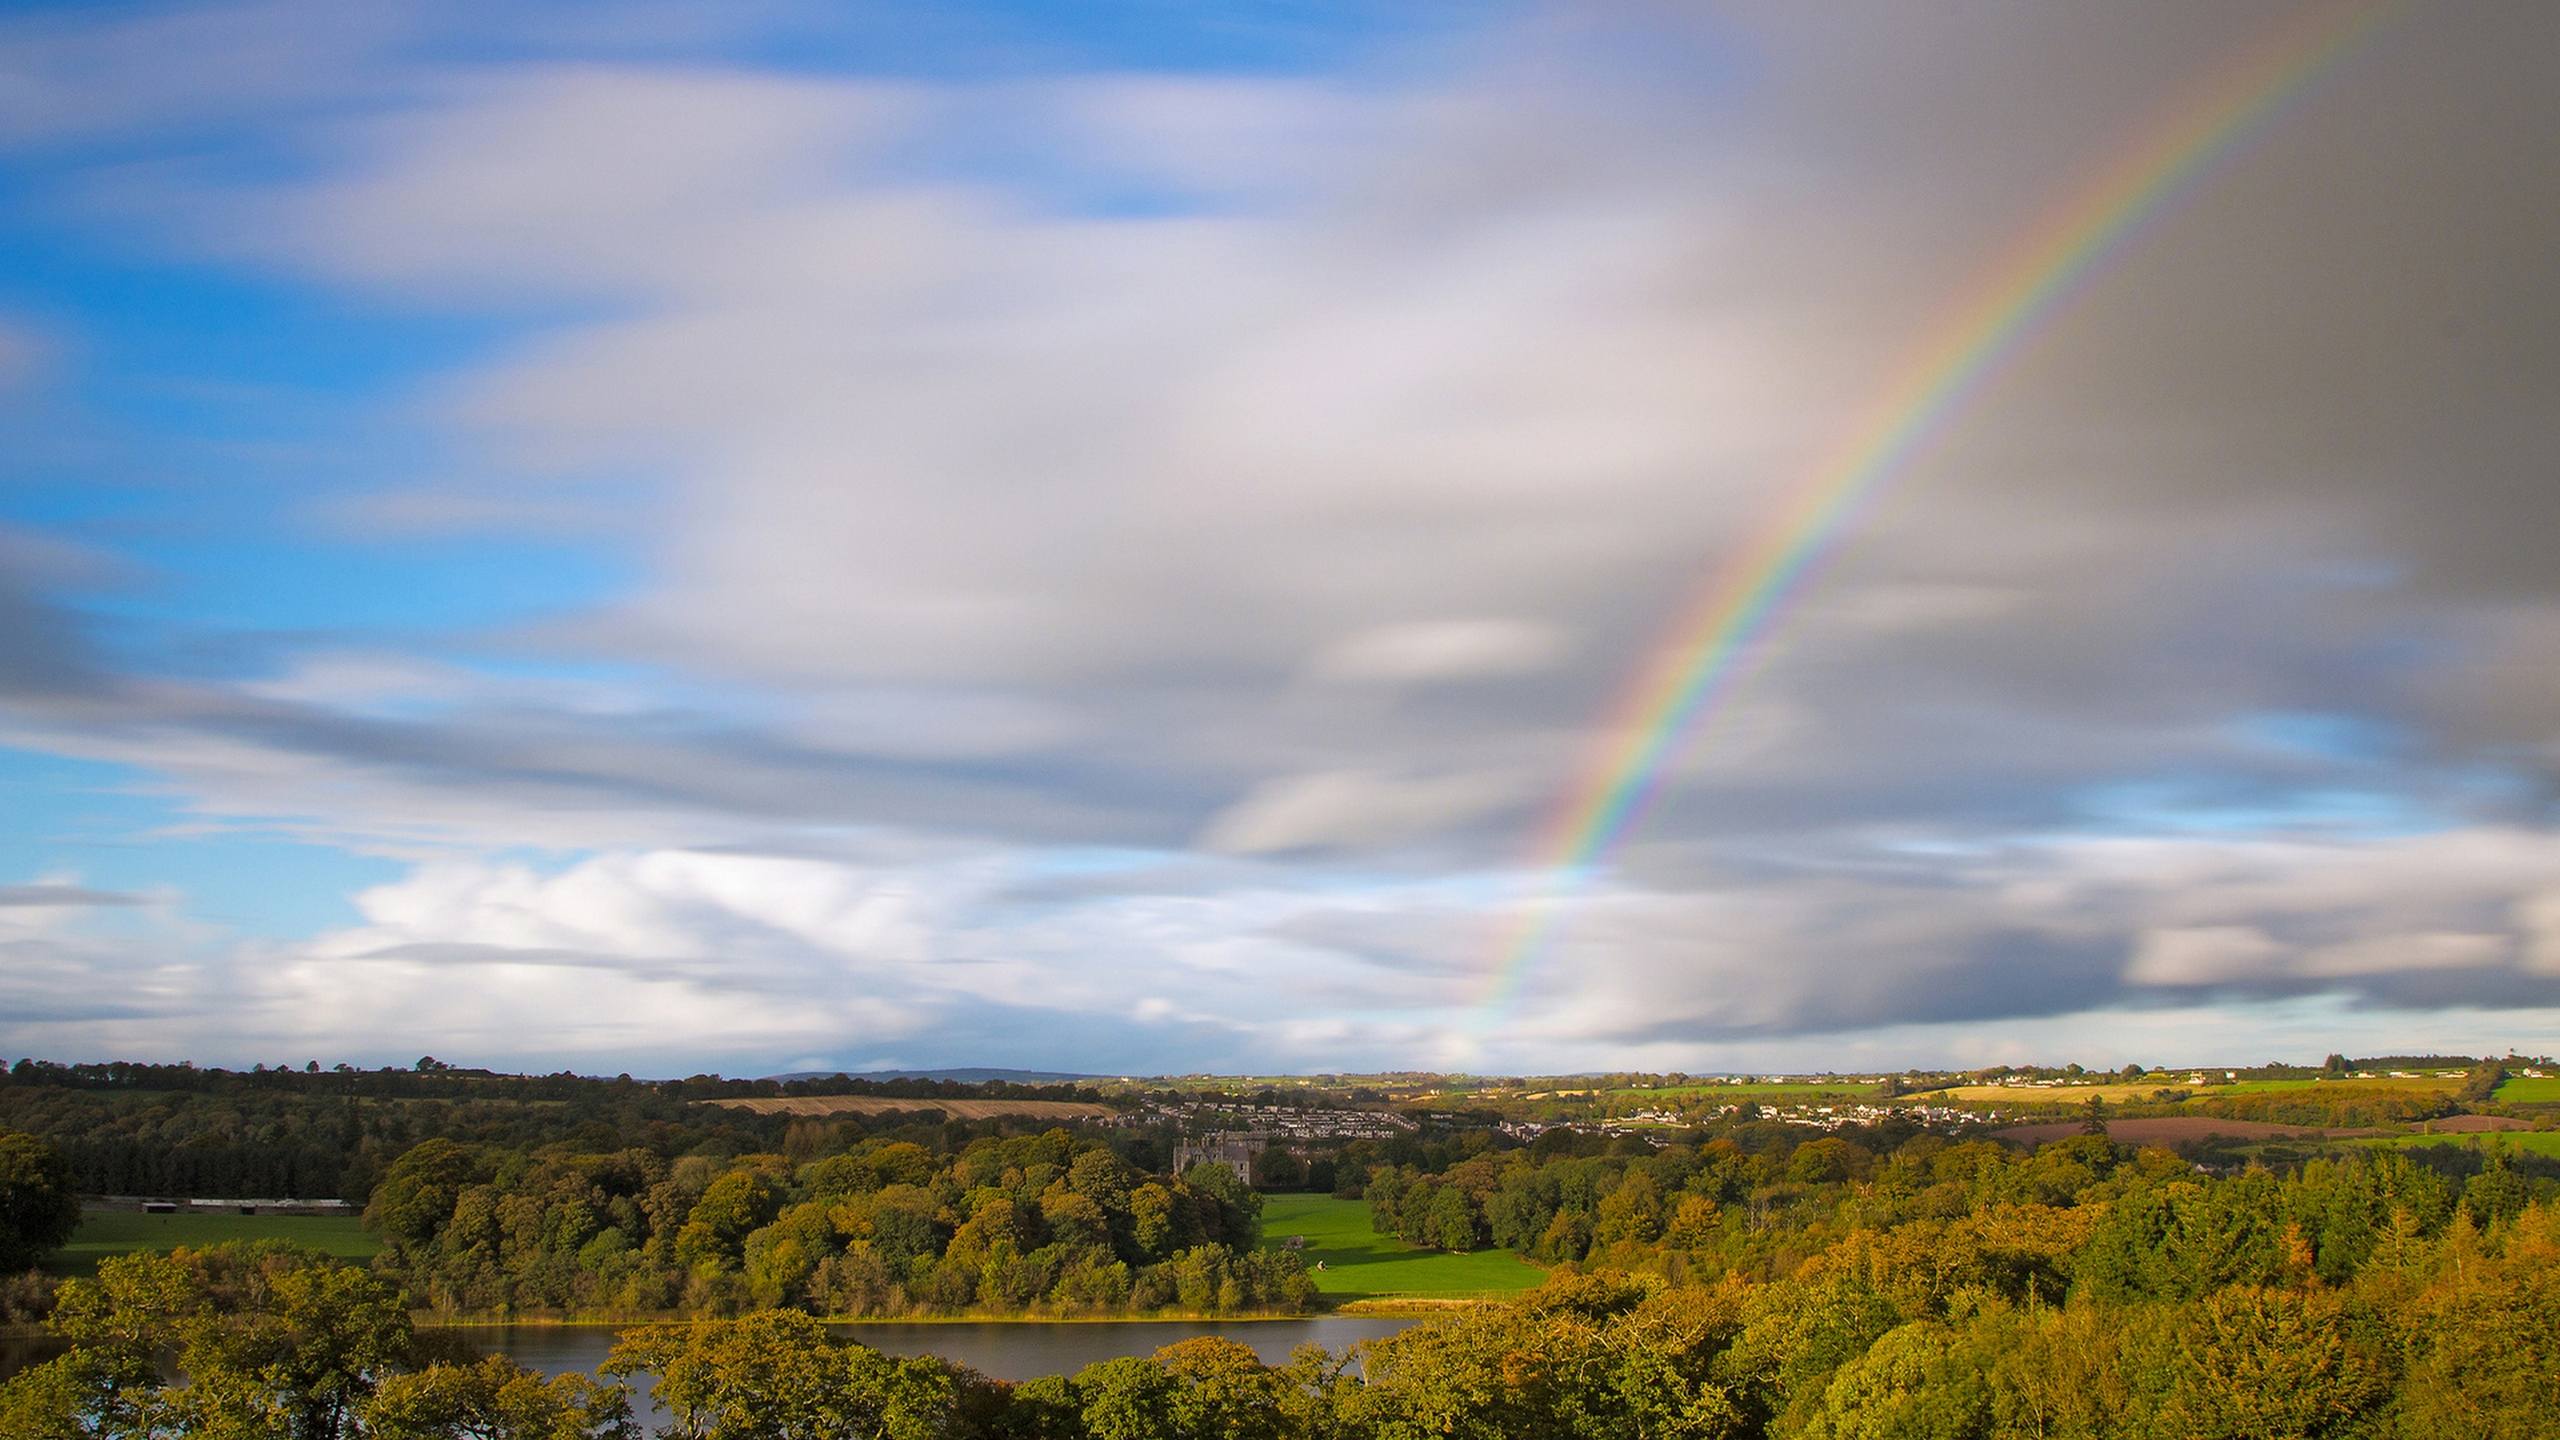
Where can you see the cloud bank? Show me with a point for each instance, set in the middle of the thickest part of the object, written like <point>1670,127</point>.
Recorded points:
<point>1122,559</point>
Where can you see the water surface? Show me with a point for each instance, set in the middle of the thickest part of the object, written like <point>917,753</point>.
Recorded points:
<point>1007,1350</point>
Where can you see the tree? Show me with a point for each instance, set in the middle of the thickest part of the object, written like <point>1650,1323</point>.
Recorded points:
<point>1220,1391</point>
<point>1451,1223</point>
<point>498,1399</point>
<point>1914,1383</point>
<point>2487,1361</point>
<point>780,1376</point>
<point>416,1196</point>
<point>275,1344</point>
<point>2093,1116</point>
<point>2248,1361</point>
<point>38,1210</point>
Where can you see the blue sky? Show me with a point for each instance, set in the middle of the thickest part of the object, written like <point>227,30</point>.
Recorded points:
<point>1091,537</point>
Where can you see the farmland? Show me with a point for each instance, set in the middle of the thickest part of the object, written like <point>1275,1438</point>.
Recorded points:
<point>2529,1142</point>
<point>2432,1084</point>
<point>1360,1264</point>
<point>2531,1090</point>
<point>2166,1130</point>
<point>2144,1090</point>
<point>123,1232</point>
<point>1757,1090</point>
<point>2138,1092</point>
<point>821,1105</point>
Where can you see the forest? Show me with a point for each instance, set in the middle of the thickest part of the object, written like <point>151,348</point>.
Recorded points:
<point>313,1133</point>
<point>2373,1297</point>
<point>1037,1224</point>
<point>1755,1280</point>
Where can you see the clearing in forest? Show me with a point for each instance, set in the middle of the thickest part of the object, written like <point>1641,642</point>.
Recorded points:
<point>122,1232</point>
<point>1360,1264</point>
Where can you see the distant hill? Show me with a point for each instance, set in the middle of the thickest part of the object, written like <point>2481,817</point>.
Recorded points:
<point>961,1075</point>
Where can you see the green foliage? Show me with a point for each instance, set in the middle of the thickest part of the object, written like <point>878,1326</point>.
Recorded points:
<point>1046,1223</point>
<point>497,1399</point>
<point>275,1344</point>
<point>780,1376</point>
<point>1929,1329</point>
<point>38,1208</point>
<point>1763,1286</point>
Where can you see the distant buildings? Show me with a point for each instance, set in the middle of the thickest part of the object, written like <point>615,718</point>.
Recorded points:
<point>1237,1152</point>
<point>158,1205</point>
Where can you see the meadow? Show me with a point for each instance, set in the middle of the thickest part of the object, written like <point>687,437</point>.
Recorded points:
<point>2530,1142</point>
<point>1360,1264</point>
<point>104,1233</point>
<point>2440,1084</point>
<point>2523,1090</point>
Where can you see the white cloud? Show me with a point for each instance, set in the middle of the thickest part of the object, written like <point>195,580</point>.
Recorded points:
<point>2205,955</point>
<point>1352,808</point>
<point>2386,954</point>
<point>1431,650</point>
<point>984,512</point>
<point>2538,916</point>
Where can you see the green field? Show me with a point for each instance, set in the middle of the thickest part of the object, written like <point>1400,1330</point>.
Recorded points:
<point>2520,1091</point>
<point>121,1232</point>
<point>1360,1264</point>
<point>1761,1089</point>
<point>2532,1142</point>
<point>2431,1084</point>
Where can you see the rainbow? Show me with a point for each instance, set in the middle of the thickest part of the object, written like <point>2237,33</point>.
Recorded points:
<point>1705,651</point>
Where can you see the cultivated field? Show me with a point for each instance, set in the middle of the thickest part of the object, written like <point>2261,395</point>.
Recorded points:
<point>883,1105</point>
<point>1360,1264</point>
<point>2138,1092</point>
<point>2166,1130</point>
<point>122,1232</point>
<point>2472,1124</point>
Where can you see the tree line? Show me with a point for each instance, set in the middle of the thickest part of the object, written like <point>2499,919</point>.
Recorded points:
<point>1051,1223</point>
<point>1930,1330</point>
<point>2083,1206</point>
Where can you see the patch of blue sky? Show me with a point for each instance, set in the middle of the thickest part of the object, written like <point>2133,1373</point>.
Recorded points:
<point>2222,808</point>
<point>1005,38</point>
<point>196,420</point>
<point>100,823</point>
<point>2321,734</point>
<point>239,581</point>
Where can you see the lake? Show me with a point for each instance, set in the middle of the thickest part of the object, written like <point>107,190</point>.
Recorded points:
<point>1007,1350</point>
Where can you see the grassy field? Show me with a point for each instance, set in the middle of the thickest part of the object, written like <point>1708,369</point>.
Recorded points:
<point>106,1233</point>
<point>2520,1091</point>
<point>2532,1142</point>
<point>2433,1084</point>
<point>1362,1265</point>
